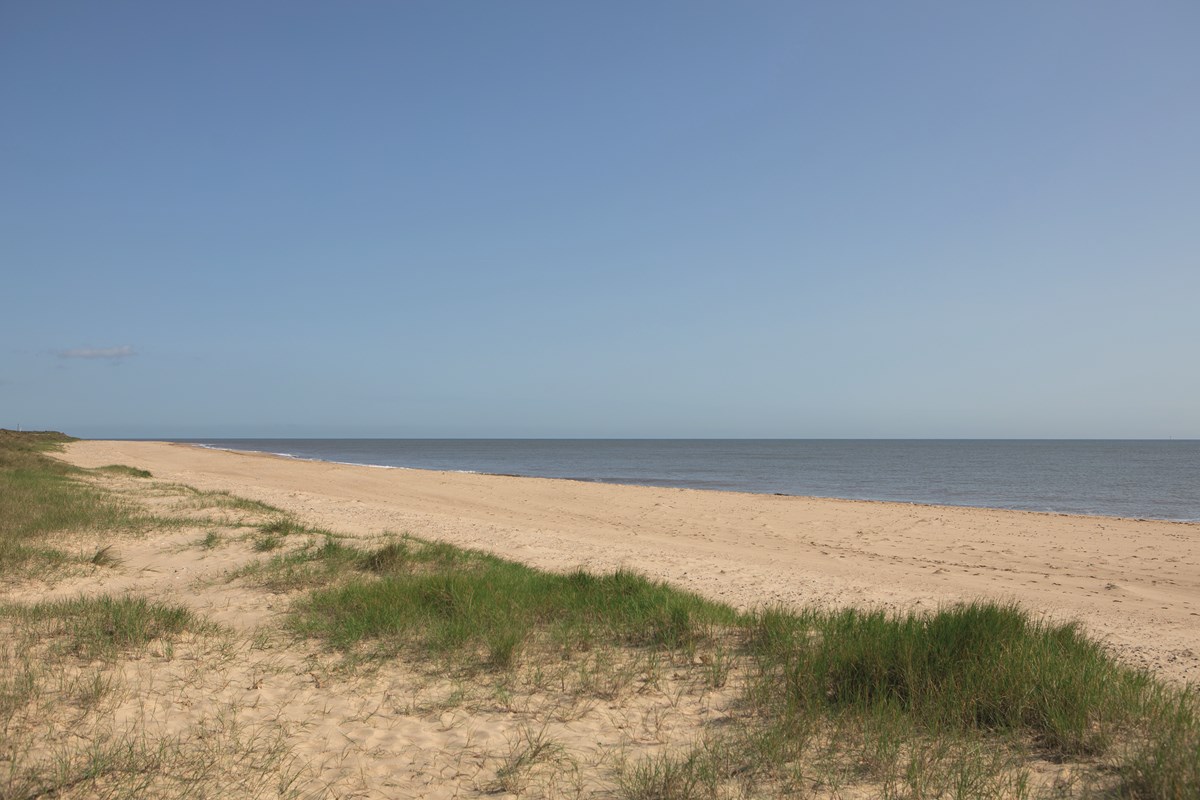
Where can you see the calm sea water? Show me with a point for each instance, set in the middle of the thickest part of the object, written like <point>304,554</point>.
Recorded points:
<point>1153,479</point>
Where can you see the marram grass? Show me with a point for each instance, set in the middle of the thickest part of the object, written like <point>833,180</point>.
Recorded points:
<point>928,704</point>
<point>449,600</point>
<point>981,666</point>
<point>40,496</point>
<point>938,704</point>
<point>105,626</point>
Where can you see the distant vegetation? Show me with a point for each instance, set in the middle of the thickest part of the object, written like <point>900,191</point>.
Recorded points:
<point>42,497</point>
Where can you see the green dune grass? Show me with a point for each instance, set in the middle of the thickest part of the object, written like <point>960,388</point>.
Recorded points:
<point>953,703</point>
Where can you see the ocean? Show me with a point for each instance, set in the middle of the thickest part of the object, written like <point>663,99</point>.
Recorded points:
<point>1148,479</point>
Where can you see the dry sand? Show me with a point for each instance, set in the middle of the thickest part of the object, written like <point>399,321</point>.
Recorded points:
<point>1133,583</point>
<point>250,711</point>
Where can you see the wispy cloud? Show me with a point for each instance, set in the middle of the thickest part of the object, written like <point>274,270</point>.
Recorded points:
<point>123,351</point>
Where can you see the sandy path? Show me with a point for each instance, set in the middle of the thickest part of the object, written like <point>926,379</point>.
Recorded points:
<point>1135,583</point>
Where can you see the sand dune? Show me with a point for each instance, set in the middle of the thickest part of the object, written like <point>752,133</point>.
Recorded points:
<point>1133,583</point>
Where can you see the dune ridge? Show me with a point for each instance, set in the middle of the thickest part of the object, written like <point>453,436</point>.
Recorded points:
<point>1133,583</point>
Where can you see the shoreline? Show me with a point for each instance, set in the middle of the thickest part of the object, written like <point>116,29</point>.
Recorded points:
<point>663,485</point>
<point>1133,583</point>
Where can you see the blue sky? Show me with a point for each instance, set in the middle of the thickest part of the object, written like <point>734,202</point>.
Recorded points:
<point>609,219</point>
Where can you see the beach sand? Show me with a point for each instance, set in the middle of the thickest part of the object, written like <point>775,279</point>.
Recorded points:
<point>251,710</point>
<point>1134,584</point>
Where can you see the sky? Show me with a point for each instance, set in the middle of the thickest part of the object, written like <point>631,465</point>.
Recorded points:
<point>620,219</point>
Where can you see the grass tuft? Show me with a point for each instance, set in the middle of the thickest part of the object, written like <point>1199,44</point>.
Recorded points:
<point>271,534</point>
<point>106,557</point>
<point>528,749</point>
<point>40,496</point>
<point>221,499</point>
<point>121,469</point>
<point>1168,765</point>
<point>321,560</point>
<point>282,526</point>
<point>978,666</point>
<point>266,542</point>
<point>105,626</point>
<point>480,606</point>
<point>669,778</point>
<point>391,558</point>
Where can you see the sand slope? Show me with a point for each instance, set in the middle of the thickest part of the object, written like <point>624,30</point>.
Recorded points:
<point>1134,583</point>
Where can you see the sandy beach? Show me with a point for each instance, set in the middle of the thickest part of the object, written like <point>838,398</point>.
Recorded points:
<point>1135,584</point>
